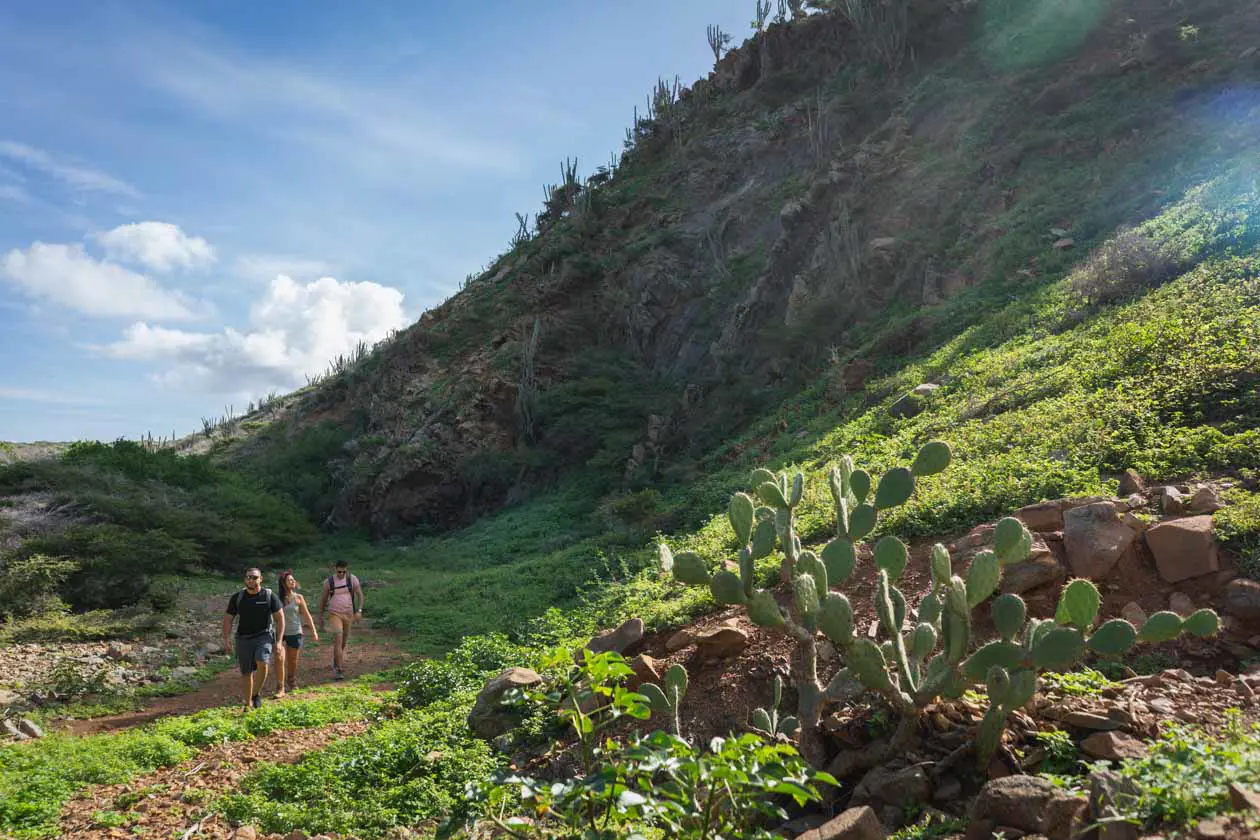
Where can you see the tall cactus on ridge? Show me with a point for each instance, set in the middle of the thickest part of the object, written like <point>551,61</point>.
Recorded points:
<point>906,667</point>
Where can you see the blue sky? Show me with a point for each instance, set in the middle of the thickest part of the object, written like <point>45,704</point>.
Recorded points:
<point>202,201</point>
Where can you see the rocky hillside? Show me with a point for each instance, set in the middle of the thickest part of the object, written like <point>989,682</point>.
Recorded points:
<point>835,199</point>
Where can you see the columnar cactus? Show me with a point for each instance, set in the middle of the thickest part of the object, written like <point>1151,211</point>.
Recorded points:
<point>916,663</point>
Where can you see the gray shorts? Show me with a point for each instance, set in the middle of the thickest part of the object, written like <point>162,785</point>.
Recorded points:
<point>251,650</point>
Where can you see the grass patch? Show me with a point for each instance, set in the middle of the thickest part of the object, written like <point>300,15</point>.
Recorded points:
<point>38,777</point>
<point>1238,528</point>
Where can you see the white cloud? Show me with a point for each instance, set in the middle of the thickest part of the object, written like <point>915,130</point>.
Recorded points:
<point>159,246</point>
<point>266,266</point>
<point>42,396</point>
<point>66,275</point>
<point>295,329</point>
<point>72,174</point>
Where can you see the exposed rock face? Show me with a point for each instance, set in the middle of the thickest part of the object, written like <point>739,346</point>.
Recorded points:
<point>1030,804</point>
<point>1041,568</point>
<point>1131,482</point>
<point>1113,746</point>
<point>486,718</point>
<point>1242,600</point>
<point>720,642</point>
<point>1184,548</point>
<point>1094,538</point>
<point>1044,516</point>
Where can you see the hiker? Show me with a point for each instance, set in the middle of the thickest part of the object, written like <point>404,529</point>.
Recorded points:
<point>294,611</point>
<point>338,598</point>
<point>261,618</point>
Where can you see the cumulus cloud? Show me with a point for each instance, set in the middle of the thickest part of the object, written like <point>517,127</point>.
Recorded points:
<point>67,275</point>
<point>295,329</point>
<point>160,246</point>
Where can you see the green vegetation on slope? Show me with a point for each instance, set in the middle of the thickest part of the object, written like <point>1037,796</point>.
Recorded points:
<point>106,526</point>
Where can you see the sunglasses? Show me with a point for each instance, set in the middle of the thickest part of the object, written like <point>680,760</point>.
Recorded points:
<point>253,577</point>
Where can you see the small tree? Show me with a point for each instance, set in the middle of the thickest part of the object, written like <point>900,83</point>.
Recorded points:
<point>905,668</point>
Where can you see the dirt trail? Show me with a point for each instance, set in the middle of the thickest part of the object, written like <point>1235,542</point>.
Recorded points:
<point>172,802</point>
<point>370,649</point>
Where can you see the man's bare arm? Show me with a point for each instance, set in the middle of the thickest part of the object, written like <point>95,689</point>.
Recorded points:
<point>278,618</point>
<point>227,632</point>
<point>359,591</point>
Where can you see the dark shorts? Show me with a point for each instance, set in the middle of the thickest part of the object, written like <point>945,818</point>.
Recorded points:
<point>294,641</point>
<point>251,650</point>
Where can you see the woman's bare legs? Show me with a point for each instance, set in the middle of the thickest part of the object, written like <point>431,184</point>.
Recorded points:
<point>280,662</point>
<point>291,656</point>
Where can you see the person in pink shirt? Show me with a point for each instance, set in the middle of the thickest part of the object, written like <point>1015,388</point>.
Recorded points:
<point>339,598</point>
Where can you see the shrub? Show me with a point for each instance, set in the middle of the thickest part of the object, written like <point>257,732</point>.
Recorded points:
<point>29,584</point>
<point>1130,263</point>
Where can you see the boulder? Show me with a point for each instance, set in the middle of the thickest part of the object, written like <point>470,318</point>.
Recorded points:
<point>721,642</point>
<point>10,729</point>
<point>1181,604</point>
<point>1131,482</point>
<point>624,640</point>
<point>1172,502</point>
<point>680,640</point>
<point>245,832</point>
<point>1041,568</point>
<point>486,718</point>
<point>1043,516</point>
<point>1101,820</point>
<point>1184,548</point>
<point>1243,799</point>
<point>1242,600</point>
<point>183,672</point>
<point>1206,500</point>
<point>1113,746</point>
<point>854,824</point>
<point>885,788</point>
<point>911,404</point>
<point>1029,804</point>
<point>1094,539</point>
<point>646,669</point>
<point>1133,613</point>
<point>30,729</point>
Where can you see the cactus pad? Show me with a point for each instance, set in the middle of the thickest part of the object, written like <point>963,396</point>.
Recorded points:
<point>760,476</point>
<point>747,571</point>
<point>772,494</point>
<point>806,590</point>
<point>740,513</point>
<point>861,521</point>
<point>690,568</point>
<point>809,563</point>
<point>760,719</point>
<point>1008,613</point>
<point>1011,541</point>
<point>763,610</point>
<point>891,556</point>
<point>895,488</point>
<point>1114,638</point>
<point>998,683</point>
<point>798,490</point>
<point>999,654</point>
<point>675,682</point>
<point>942,566</point>
<point>1161,627</point>
<point>840,559</point>
<point>982,578</point>
<point>656,698</point>
<point>763,539</point>
<point>1078,604</point>
<point>788,725</point>
<point>930,608</point>
<point>727,588</point>
<point>860,485</point>
<point>868,664</point>
<point>956,621</point>
<point>933,458</point>
<point>1203,623</point>
<point>924,641</point>
<point>836,619</point>
<point>1059,649</point>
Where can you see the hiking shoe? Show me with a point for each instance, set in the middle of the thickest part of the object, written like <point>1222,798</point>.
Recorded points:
<point>341,675</point>
<point>257,701</point>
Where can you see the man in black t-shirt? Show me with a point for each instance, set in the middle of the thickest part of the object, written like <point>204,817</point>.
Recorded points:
<point>258,610</point>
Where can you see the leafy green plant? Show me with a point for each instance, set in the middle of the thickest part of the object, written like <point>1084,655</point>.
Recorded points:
<point>902,668</point>
<point>1083,683</point>
<point>657,783</point>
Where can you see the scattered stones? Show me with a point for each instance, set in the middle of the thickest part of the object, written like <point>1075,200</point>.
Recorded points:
<point>1215,829</point>
<point>721,642</point>
<point>1242,599</point>
<point>183,672</point>
<point>1172,502</point>
<point>10,729</point>
<point>1100,817</point>
<point>1184,548</point>
<point>1131,482</point>
<point>1094,539</point>
<point>893,791</point>
<point>1037,570</point>
<point>245,832</point>
<point>486,718</point>
<point>117,651</point>
<point>1181,604</point>
<point>1113,746</point>
<point>1085,720</point>
<point>1029,804</point>
<point>1043,517</point>
<point>623,640</point>
<point>858,823</point>
<point>1064,243</point>
<point>1133,613</point>
<point>1224,678</point>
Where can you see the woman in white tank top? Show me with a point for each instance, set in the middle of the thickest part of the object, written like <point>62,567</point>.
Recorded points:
<point>294,611</point>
